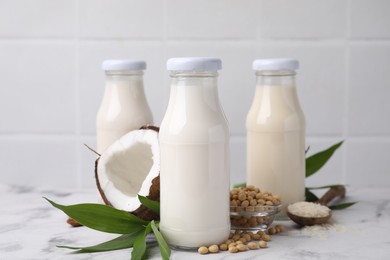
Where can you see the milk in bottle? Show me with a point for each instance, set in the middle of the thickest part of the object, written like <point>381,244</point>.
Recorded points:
<point>124,106</point>
<point>194,147</point>
<point>276,132</point>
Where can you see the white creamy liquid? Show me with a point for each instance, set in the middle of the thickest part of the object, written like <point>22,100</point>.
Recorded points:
<point>192,185</point>
<point>124,108</point>
<point>276,143</point>
<point>194,173</point>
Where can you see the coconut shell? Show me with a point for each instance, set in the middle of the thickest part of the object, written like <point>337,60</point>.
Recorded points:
<point>142,212</point>
<point>154,190</point>
<point>154,194</point>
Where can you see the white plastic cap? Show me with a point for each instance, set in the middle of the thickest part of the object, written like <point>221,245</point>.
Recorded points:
<point>194,64</point>
<point>121,65</point>
<point>275,64</point>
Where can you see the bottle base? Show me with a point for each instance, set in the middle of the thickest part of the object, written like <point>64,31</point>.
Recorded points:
<point>191,240</point>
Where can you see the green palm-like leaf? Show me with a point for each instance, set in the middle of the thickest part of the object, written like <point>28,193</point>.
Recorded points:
<point>342,206</point>
<point>139,247</point>
<point>164,248</point>
<point>150,204</point>
<point>310,196</point>
<point>240,185</point>
<point>102,217</point>
<point>316,161</point>
<point>121,242</point>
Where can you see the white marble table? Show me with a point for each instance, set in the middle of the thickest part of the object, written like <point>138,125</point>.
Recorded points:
<point>30,229</point>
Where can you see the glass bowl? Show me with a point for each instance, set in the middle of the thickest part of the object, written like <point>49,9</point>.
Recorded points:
<point>253,217</point>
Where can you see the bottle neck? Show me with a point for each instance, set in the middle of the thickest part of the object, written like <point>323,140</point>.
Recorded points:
<point>195,89</point>
<point>198,78</point>
<point>276,78</point>
<point>276,92</point>
<point>275,107</point>
<point>124,87</point>
<point>124,76</point>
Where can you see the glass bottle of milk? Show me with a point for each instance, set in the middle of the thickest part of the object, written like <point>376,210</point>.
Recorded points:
<point>124,106</point>
<point>194,148</point>
<point>276,132</point>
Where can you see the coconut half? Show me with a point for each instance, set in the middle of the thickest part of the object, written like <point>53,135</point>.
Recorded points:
<point>131,166</point>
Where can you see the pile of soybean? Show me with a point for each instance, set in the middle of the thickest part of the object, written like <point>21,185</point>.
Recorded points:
<point>240,241</point>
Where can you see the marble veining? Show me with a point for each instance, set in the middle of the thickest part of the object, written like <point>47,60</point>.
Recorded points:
<point>30,228</point>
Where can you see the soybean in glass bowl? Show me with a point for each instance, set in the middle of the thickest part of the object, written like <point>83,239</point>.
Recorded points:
<point>253,217</point>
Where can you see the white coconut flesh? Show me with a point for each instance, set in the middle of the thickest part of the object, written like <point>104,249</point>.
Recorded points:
<point>128,167</point>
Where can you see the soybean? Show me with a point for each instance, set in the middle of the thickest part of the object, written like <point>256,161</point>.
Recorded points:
<point>203,250</point>
<point>213,249</point>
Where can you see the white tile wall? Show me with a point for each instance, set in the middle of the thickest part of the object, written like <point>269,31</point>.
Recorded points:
<point>52,84</point>
<point>38,18</point>
<point>87,174</point>
<point>204,19</point>
<point>370,19</point>
<point>364,161</point>
<point>38,90</point>
<point>39,160</point>
<point>369,95</point>
<point>120,19</point>
<point>302,19</point>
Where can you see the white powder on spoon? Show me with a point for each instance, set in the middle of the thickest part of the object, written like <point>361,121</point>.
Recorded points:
<point>308,209</point>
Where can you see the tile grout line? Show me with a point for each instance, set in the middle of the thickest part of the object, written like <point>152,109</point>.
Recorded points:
<point>235,137</point>
<point>166,80</point>
<point>165,40</point>
<point>164,35</point>
<point>78,97</point>
<point>344,175</point>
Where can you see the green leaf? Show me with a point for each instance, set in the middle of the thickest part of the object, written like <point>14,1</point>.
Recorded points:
<point>310,196</point>
<point>139,247</point>
<point>342,206</point>
<point>102,218</point>
<point>316,161</point>
<point>121,242</point>
<point>240,185</point>
<point>164,248</point>
<point>150,204</point>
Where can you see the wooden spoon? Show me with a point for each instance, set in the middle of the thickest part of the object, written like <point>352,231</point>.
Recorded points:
<point>332,193</point>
